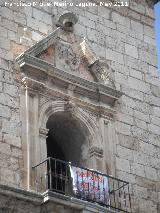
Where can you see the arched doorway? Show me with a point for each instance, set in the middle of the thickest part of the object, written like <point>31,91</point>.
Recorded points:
<point>67,141</point>
<point>68,138</point>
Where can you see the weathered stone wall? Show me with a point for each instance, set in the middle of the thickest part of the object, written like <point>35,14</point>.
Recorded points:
<point>123,35</point>
<point>14,200</point>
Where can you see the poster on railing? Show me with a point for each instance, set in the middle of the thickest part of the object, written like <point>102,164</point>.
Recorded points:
<point>90,185</point>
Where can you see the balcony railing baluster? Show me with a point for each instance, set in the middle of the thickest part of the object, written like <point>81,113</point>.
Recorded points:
<point>83,183</point>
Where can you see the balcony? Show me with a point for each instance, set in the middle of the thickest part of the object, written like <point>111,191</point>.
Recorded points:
<point>65,178</point>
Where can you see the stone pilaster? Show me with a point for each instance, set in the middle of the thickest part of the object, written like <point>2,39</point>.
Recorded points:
<point>96,158</point>
<point>42,143</point>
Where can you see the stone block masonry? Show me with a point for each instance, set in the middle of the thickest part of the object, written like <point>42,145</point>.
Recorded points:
<point>125,37</point>
<point>20,201</point>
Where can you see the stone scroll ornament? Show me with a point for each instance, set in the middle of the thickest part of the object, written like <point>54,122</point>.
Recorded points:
<point>100,70</point>
<point>103,73</point>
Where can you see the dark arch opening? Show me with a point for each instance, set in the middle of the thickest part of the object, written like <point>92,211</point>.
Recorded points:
<point>53,148</point>
<point>68,140</point>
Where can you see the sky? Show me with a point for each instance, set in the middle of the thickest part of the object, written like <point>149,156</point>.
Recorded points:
<point>157,25</point>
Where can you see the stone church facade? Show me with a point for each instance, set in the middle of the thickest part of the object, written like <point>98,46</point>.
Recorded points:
<point>79,84</point>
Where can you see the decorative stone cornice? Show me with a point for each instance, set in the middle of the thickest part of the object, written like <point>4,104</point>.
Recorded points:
<point>95,90</point>
<point>41,45</point>
<point>78,205</point>
<point>20,194</point>
<point>96,109</point>
<point>32,84</point>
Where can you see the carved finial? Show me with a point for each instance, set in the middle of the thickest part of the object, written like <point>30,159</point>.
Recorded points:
<point>67,20</point>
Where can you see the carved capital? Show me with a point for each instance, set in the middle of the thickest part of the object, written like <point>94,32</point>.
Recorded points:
<point>24,82</point>
<point>32,94</point>
<point>96,151</point>
<point>106,122</point>
<point>43,132</point>
<point>32,84</point>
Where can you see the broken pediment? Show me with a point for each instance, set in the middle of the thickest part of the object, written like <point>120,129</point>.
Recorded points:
<point>80,60</point>
<point>64,58</point>
<point>101,71</point>
<point>69,53</point>
<point>68,57</point>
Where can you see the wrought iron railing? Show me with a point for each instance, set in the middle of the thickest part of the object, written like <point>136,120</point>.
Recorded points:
<point>83,183</point>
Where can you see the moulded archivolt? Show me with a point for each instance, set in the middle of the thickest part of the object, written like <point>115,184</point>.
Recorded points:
<point>51,108</point>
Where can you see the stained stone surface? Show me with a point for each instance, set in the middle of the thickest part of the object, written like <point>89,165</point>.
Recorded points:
<point>19,201</point>
<point>125,38</point>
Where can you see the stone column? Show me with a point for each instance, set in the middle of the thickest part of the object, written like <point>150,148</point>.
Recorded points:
<point>29,117</point>
<point>33,140</point>
<point>33,133</point>
<point>24,119</point>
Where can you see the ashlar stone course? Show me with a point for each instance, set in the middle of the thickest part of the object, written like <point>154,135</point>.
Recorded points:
<point>127,132</point>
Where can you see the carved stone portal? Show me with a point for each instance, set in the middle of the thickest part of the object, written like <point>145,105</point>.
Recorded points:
<point>78,93</point>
